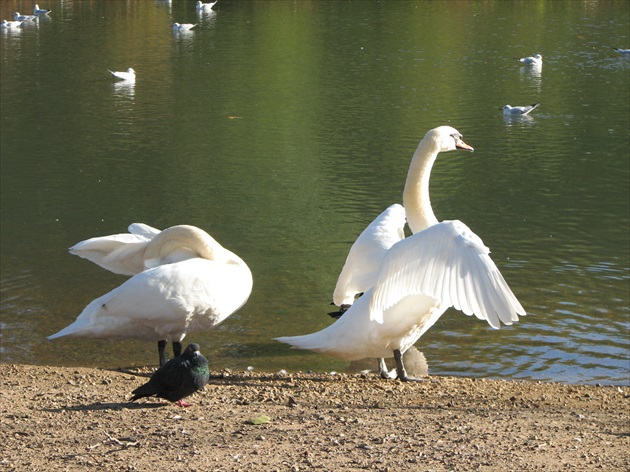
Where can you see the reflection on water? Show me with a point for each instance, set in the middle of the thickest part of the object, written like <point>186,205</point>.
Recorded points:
<point>414,361</point>
<point>283,129</point>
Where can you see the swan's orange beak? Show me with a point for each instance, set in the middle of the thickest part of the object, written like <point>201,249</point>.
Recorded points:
<point>459,144</point>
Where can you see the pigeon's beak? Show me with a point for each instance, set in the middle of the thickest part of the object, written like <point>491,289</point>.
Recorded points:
<point>459,144</point>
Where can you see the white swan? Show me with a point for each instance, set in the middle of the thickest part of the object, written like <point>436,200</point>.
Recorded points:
<point>129,76</point>
<point>205,7</point>
<point>183,27</point>
<point>510,110</point>
<point>168,299</point>
<point>536,60</point>
<point>440,265</point>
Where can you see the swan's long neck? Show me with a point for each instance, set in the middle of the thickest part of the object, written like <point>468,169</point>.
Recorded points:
<point>416,194</point>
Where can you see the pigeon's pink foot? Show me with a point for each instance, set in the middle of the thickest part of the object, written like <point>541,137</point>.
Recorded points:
<point>182,403</point>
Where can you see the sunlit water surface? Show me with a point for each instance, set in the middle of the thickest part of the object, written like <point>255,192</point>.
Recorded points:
<point>283,128</point>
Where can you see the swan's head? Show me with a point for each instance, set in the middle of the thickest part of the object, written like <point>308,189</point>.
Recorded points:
<point>447,139</point>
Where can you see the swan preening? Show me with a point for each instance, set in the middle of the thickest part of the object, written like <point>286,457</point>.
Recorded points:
<point>129,76</point>
<point>441,265</point>
<point>510,110</point>
<point>183,281</point>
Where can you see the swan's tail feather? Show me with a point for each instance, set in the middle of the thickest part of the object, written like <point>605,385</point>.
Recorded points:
<point>311,342</point>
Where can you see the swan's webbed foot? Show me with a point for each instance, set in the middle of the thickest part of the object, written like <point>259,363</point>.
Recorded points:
<point>401,372</point>
<point>383,370</point>
<point>162,352</point>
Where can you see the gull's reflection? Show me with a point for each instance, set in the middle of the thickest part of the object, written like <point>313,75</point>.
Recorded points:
<point>124,88</point>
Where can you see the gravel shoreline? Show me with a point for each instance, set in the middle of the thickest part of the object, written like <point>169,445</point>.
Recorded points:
<point>56,418</point>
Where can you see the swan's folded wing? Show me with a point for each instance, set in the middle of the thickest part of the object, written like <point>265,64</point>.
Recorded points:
<point>451,264</point>
<point>141,229</point>
<point>119,253</point>
<point>367,252</point>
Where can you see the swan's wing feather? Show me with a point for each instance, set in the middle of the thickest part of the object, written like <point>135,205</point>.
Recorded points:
<point>367,252</point>
<point>119,253</point>
<point>141,229</point>
<point>451,264</point>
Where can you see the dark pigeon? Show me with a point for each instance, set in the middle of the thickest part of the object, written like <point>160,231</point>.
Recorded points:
<point>178,378</point>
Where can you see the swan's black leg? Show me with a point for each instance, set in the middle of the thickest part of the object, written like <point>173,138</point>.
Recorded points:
<point>177,348</point>
<point>162,352</point>
<point>400,368</point>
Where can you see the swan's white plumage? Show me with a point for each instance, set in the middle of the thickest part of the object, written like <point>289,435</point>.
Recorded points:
<point>450,264</point>
<point>365,255</point>
<point>119,253</point>
<point>168,301</point>
<point>440,265</point>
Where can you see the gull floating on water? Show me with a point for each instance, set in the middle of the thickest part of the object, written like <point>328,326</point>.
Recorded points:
<point>10,24</point>
<point>510,110</point>
<point>40,11</point>
<point>536,60</point>
<point>178,28</point>
<point>18,17</point>
<point>130,75</point>
<point>205,6</point>
<point>623,52</point>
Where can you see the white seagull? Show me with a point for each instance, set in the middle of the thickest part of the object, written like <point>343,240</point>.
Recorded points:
<point>180,28</point>
<point>129,76</point>
<point>188,283</point>
<point>536,60</point>
<point>512,111</point>
<point>10,24</point>
<point>623,52</point>
<point>18,17</point>
<point>40,11</point>
<point>205,7</point>
<point>441,265</point>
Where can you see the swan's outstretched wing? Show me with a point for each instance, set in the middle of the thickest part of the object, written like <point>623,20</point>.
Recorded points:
<point>367,252</point>
<point>119,253</point>
<point>450,263</point>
